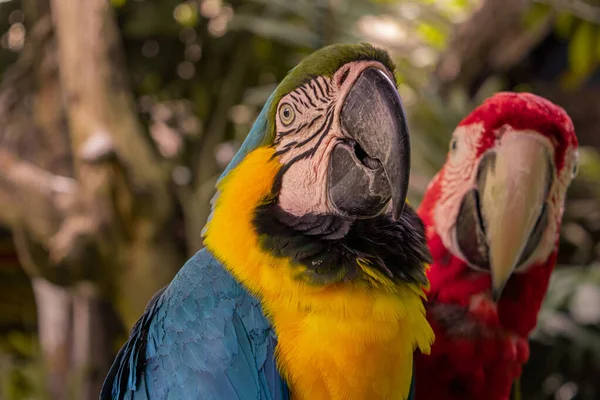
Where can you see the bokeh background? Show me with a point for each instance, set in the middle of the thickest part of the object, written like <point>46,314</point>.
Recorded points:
<point>117,116</point>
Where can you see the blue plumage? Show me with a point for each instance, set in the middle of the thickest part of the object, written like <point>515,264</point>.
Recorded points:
<point>202,337</point>
<point>255,138</point>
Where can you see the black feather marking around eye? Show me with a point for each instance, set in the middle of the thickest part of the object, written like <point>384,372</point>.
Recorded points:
<point>303,103</point>
<point>314,89</point>
<point>325,132</point>
<point>329,245</point>
<point>298,100</point>
<point>312,122</point>
<point>323,129</point>
<point>285,149</point>
<point>327,87</point>
<point>279,176</point>
<point>291,144</point>
<point>323,99</point>
<point>320,88</point>
<point>344,76</point>
<point>307,96</point>
<point>296,108</point>
<point>295,130</point>
<point>313,85</point>
<point>285,133</point>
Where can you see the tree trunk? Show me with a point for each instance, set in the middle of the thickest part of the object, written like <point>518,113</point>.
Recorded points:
<point>84,194</point>
<point>91,340</point>
<point>54,305</point>
<point>492,40</point>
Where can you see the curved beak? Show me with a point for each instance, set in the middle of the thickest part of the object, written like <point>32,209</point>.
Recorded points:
<point>514,182</point>
<point>373,117</point>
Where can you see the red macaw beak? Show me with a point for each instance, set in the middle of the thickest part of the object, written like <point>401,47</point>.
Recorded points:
<point>513,193</point>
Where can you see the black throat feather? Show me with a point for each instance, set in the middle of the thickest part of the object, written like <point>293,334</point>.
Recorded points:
<point>330,246</point>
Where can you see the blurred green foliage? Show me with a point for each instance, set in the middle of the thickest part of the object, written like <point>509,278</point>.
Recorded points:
<point>21,377</point>
<point>582,32</point>
<point>203,69</point>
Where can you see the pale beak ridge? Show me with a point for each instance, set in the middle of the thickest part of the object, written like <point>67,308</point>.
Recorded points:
<point>513,194</point>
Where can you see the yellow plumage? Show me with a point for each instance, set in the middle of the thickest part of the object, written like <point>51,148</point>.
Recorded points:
<point>345,341</point>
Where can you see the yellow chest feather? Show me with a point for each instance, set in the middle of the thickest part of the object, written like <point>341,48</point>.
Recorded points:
<point>345,341</point>
<point>343,358</point>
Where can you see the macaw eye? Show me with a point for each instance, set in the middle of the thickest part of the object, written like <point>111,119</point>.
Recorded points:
<point>575,170</point>
<point>286,114</point>
<point>453,144</point>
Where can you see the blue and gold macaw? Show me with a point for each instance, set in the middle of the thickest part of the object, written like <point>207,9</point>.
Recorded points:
<point>307,287</point>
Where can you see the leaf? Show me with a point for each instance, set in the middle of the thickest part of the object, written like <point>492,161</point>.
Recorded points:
<point>597,44</point>
<point>589,163</point>
<point>186,14</point>
<point>523,87</point>
<point>461,4</point>
<point>564,23</point>
<point>276,30</point>
<point>432,35</point>
<point>301,8</point>
<point>148,20</point>
<point>151,83</point>
<point>537,14</point>
<point>118,3</point>
<point>582,49</point>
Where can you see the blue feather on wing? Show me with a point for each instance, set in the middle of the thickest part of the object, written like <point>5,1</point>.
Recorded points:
<point>202,337</point>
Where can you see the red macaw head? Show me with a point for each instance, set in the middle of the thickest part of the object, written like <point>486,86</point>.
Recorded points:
<point>493,212</point>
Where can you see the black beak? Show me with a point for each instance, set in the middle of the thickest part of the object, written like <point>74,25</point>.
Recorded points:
<point>374,164</point>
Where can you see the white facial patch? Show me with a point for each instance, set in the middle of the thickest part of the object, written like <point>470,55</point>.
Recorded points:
<point>460,175</point>
<point>308,128</point>
<point>457,178</point>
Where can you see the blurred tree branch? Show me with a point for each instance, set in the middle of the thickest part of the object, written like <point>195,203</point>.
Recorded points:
<point>581,9</point>
<point>98,95</point>
<point>83,191</point>
<point>204,164</point>
<point>495,39</point>
<point>491,40</point>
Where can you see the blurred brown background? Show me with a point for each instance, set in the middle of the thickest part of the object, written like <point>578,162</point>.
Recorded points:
<point>117,116</point>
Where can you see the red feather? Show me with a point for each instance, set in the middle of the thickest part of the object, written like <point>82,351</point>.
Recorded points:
<point>524,111</point>
<point>480,346</point>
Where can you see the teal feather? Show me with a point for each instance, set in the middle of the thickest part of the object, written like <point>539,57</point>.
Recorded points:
<point>257,137</point>
<point>205,336</point>
<point>202,337</point>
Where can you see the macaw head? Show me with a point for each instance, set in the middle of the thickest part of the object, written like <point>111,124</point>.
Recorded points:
<point>338,129</point>
<point>334,135</point>
<point>498,201</point>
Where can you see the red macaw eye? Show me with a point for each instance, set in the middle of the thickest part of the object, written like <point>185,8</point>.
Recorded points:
<point>575,170</point>
<point>453,144</point>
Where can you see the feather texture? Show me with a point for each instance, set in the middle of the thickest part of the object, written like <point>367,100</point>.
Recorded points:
<point>482,344</point>
<point>207,336</point>
<point>350,340</point>
<point>331,246</point>
<point>202,337</point>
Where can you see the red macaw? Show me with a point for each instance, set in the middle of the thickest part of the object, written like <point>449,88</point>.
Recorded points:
<point>492,217</point>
